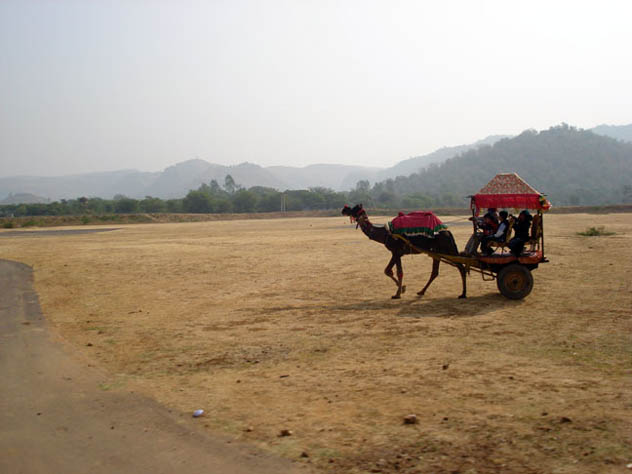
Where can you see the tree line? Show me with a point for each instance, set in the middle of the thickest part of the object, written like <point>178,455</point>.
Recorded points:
<point>233,198</point>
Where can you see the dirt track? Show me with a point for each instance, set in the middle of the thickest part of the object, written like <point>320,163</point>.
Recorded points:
<point>57,417</point>
<point>53,232</point>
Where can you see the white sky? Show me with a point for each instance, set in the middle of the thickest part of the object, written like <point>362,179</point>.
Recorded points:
<point>93,85</point>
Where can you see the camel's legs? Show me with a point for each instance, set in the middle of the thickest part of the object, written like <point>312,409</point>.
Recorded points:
<point>388,271</point>
<point>463,277</point>
<point>434,274</point>
<point>400,279</point>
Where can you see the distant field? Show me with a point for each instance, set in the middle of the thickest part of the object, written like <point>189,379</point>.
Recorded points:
<point>274,324</point>
<point>109,219</point>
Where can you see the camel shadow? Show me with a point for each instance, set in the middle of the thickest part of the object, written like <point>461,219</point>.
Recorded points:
<point>450,307</point>
<point>367,305</point>
<point>415,307</point>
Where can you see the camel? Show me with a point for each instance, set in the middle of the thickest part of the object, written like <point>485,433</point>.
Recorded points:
<point>443,242</point>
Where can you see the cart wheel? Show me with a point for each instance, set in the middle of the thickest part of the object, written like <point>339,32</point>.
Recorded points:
<point>514,281</point>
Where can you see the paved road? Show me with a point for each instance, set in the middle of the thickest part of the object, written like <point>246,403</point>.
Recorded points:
<point>54,418</point>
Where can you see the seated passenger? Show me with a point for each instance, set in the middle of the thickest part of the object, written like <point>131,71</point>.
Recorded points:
<point>499,236</point>
<point>490,222</point>
<point>486,225</point>
<point>521,237</point>
<point>493,213</point>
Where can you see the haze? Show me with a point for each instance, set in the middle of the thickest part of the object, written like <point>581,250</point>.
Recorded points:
<point>104,85</point>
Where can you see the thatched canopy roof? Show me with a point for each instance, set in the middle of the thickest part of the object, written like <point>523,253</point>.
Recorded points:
<point>508,190</point>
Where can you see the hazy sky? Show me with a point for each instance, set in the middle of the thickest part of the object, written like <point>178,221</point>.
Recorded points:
<point>94,85</point>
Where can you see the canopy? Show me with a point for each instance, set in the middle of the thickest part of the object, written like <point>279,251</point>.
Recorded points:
<point>509,190</point>
<point>416,223</point>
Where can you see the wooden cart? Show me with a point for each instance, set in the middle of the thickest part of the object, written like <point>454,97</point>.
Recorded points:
<point>512,273</point>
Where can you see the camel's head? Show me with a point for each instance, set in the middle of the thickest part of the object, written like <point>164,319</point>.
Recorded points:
<point>355,213</point>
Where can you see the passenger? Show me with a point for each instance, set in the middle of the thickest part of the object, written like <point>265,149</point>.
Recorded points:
<point>521,237</point>
<point>490,222</point>
<point>499,236</point>
<point>472,244</point>
<point>493,212</point>
<point>484,226</point>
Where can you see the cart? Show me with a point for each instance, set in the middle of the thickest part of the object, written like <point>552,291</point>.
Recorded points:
<point>512,273</point>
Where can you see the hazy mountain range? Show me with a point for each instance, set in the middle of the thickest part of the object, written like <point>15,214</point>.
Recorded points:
<point>175,181</point>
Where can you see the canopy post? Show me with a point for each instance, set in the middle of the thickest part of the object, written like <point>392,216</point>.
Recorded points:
<point>472,208</point>
<point>541,232</point>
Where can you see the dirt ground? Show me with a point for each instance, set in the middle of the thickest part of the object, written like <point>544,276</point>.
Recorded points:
<point>55,416</point>
<point>287,324</point>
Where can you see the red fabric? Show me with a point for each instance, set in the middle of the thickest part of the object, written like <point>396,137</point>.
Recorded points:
<point>416,219</point>
<point>516,201</point>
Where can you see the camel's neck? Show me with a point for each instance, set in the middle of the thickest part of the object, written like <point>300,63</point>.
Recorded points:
<point>378,234</point>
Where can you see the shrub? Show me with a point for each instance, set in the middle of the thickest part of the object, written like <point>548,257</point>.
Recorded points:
<point>595,232</point>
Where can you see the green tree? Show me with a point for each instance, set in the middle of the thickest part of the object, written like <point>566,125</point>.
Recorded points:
<point>269,202</point>
<point>449,199</point>
<point>126,206</point>
<point>363,186</point>
<point>417,201</point>
<point>20,210</point>
<point>360,197</point>
<point>215,188</point>
<point>244,201</point>
<point>152,204</point>
<point>99,206</point>
<point>175,205</point>
<point>36,209</point>
<point>197,202</point>
<point>223,206</point>
<point>229,184</point>
<point>387,199</point>
<point>83,203</point>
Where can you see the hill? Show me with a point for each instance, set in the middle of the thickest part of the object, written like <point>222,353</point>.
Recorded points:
<point>24,198</point>
<point>338,177</point>
<point>620,132</point>
<point>417,163</point>
<point>175,181</point>
<point>105,184</point>
<point>571,166</point>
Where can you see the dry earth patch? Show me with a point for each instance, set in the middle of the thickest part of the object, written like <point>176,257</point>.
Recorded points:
<point>287,324</point>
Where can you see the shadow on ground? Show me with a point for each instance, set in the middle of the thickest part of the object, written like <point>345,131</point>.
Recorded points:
<point>411,308</point>
<point>453,307</point>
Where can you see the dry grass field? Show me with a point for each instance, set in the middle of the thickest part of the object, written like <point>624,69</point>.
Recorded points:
<point>287,324</point>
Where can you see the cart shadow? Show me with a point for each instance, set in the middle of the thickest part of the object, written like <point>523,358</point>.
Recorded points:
<point>450,307</point>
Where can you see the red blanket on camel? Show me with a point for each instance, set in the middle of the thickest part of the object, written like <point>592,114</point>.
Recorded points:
<point>416,223</point>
